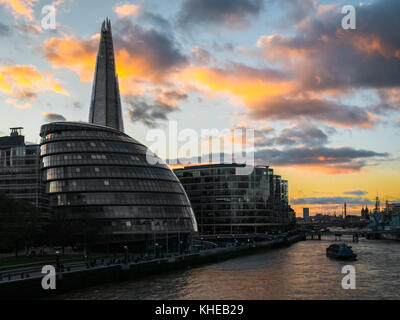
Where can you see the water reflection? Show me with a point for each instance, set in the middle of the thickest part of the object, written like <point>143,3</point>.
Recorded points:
<point>301,271</point>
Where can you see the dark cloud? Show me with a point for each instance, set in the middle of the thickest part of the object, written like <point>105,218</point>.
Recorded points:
<point>299,134</point>
<point>356,192</point>
<point>317,109</point>
<point>367,57</point>
<point>148,113</point>
<point>202,56</point>
<point>325,58</point>
<point>4,30</point>
<point>175,96</point>
<point>230,13</point>
<point>328,160</point>
<point>156,20</point>
<point>25,94</point>
<point>161,50</point>
<point>50,117</point>
<point>218,46</point>
<point>29,29</point>
<point>331,200</point>
<point>344,157</point>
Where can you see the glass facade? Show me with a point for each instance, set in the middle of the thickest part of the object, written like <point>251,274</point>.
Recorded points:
<point>226,203</point>
<point>96,171</point>
<point>19,170</point>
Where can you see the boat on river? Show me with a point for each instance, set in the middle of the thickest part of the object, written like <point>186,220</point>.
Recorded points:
<point>341,252</point>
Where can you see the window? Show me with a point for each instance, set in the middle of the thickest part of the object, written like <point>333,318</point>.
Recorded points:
<point>106,182</point>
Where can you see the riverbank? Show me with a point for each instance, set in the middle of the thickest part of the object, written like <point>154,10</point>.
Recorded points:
<point>71,280</point>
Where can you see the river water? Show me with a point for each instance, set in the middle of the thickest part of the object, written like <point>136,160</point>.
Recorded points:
<point>301,271</point>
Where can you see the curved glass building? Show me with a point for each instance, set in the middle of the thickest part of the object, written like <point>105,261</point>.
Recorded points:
<point>96,173</point>
<point>99,172</point>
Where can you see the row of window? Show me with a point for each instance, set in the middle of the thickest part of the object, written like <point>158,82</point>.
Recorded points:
<point>160,212</point>
<point>108,172</point>
<point>90,145</point>
<point>145,225</point>
<point>100,158</point>
<point>86,133</point>
<point>113,185</point>
<point>118,199</point>
<point>222,172</point>
<point>205,221</point>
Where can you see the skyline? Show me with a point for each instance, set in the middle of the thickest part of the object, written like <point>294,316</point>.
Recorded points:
<point>324,102</point>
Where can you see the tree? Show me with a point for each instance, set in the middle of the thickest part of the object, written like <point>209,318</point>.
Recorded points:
<point>20,224</point>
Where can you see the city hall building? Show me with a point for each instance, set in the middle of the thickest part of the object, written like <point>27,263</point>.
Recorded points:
<point>227,203</point>
<point>94,170</point>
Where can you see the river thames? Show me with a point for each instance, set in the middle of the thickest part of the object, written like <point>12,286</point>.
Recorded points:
<point>301,271</point>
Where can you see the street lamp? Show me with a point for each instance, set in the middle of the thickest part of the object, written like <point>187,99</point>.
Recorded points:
<point>156,249</point>
<point>180,247</point>
<point>57,260</point>
<point>126,254</point>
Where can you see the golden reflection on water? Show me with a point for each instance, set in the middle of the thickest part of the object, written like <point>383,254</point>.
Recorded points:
<point>301,271</point>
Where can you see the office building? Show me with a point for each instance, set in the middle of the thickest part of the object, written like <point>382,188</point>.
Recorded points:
<point>226,203</point>
<point>19,169</point>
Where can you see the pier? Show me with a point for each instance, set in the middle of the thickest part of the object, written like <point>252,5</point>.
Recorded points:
<point>356,235</point>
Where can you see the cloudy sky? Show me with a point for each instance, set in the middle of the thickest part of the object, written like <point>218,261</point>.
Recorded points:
<point>324,102</point>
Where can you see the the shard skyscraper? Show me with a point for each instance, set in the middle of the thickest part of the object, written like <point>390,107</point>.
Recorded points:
<point>105,104</point>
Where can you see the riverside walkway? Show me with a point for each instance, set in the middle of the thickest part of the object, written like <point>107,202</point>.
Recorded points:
<point>26,282</point>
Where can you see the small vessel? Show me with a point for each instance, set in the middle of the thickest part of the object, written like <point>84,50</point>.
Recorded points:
<point>340,251</point>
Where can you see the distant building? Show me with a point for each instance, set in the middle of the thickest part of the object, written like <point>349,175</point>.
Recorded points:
<point>226,203</point>
<point>306,213</point>
<point>365,213</point>
<point>19,169</point>
<point>393,207</point>
<point>352,220</point>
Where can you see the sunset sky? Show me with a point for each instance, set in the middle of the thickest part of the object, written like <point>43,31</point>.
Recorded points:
<point>324,102</point>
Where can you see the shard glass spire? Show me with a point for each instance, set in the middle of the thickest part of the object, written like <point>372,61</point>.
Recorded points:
<point>105,104</point>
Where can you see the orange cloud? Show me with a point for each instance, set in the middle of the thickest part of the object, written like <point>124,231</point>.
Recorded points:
<point>20,8</point>
<point>281,48</point>
<point>135,69</point>
<point>325,167</point>
<point>78,55</point>
<point>237,82</point>
<point>24,82</point>
<point>127,10</point>
<point>372,44</point>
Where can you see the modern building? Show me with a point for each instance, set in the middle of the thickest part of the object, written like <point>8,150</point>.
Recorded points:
<point>393,207</point>
<point>19,169</point>
<point>226,203</point>
<point>306,213</point>
<point>94,170</point>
